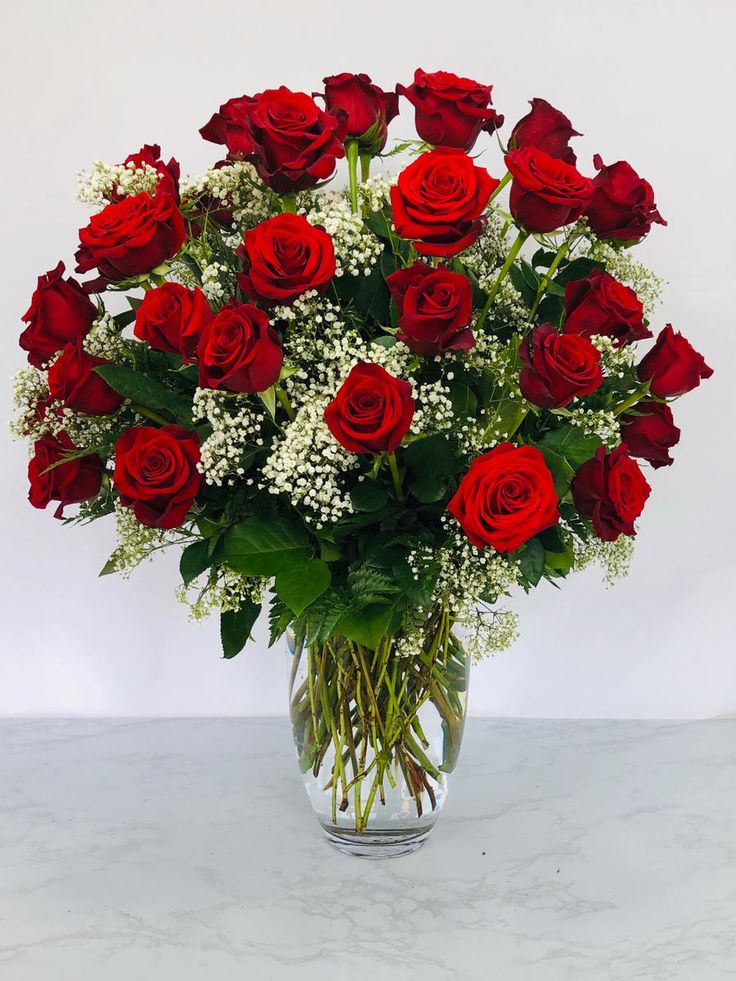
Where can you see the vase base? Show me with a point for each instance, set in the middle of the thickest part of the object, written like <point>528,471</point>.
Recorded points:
<point>376,844</point>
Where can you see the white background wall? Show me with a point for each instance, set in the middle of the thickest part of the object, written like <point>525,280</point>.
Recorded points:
<point>652,82</point>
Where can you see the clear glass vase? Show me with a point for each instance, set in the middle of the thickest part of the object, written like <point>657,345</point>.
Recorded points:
<point>378,734</point>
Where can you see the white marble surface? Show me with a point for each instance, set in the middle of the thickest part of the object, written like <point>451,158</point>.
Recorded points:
<point>134,850</point>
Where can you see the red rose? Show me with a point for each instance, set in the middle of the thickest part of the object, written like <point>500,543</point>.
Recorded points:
<point>435,307</point>
<point>284,257</point>
<point>611,490</point>
<point>558,368</point>
<point>171,318</point>
<point>132,237</point>
<point>69,483</point>
<point>545,128</point>
<point>239,351</point>
<point>622,206</point>
<point>546,193</point>
<point>150,155</point>
<point>230,127</point>
<point>438,201</point>
<point>371,412</point>
<point>156,473</point>
<point>650,433</point>
<point>74,381</point>
<point>599,304</point>
<point>505,498</point>
<point>450,110</point>
<point>673,366</point>
<point>60,312</point>
<point>368,108</point>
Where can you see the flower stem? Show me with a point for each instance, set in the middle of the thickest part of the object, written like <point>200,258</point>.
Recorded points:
<point>513,252</point>
<point>561,253</point>
<point>501,185</point>
<point>365,166</point>
<point>394,468</point>
<point>351,152</point>
<point>288,203</point>
<point>284,400</point>
<point>142,410</point>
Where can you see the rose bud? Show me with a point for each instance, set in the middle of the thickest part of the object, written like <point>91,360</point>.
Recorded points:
<point>505,498</point>
<point>611,490</point>
<point>150,156</point>
<point>284,257</point>
<point>622,206</point>
<point>371,412</point>
<point>556,368</point>
<point>171,318</point>
<point>599,304</point>
<point>650,433</point>
<point>450,111</point>
<point>239,351</point>
<point>368,108</point>
<point>673,366</point>
<point>547,129</point>
<point>438,201</point>
<point>546,193</point>
<point>60,312</point>
<point>74,381</point>
<point>68,482</point>
<point>156,473</point>
<point>435,307</point>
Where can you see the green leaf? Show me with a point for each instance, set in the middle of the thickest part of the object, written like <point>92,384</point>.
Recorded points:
<point>301,583</point>
<point>571,443</point>
<point>562,472</point>
<point>109,568</point>
<point>577,269</point>
<point>368,496</point>
<point>268,398</point>
<point>373,296</point>
<point>437,454</point>
<point>531,561</point>
<point>195,559</point>
<point>428,488</point>
<point>261,547</point>
<point>521,286</point>
<point>367,626</point>
<point>279,618</point>
<point>379,223</point>
<point>137,387</point>
<point>235,627</point>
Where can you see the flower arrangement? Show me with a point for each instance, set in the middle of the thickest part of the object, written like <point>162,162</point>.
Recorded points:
<point>376,410</point>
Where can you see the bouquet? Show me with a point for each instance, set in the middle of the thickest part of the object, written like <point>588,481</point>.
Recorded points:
<point>375,410</point>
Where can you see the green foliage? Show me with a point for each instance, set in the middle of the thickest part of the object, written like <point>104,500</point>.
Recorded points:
<point>195,559</point>
<point>368,496</point>
<point>236,626</point>
<point>565,449</point>
<point>365,626</point>
<point>146,391</point>
<point>300,583</point>
<point>265,547</point>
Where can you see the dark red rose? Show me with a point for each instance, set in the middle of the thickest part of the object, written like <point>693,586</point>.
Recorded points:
<point>60,312</point>
<point>239,351</point>
<point>673,366</point>
<point>171,318</point>
<point>368,108</point>
<point>435,307</point>
<point>599,304</point>
<point>438,201</point>
<point>74,381</point>
<point>650,432</point>
<point>545,128</point>
<point>557,367</point>
<point>505,498</point>
<point>156,473</point>
<point>622,206</point>
<point>132,237</point>
<point>284,257</point>
<point>371,412</point>
<point>68,483</point>
<point>230,127</point>
<point>611,490</point>
<point>546,193</point>
<point>450,111</point>
<point>150,155</point>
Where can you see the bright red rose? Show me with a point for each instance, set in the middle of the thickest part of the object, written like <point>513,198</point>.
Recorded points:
<point>505,498</point>
<point>371,412</point>
<point>622,206</point>
<point>230,127</point>
<point>68,483</point>
<point>611,490</point>
<point>438,201</point>
<point>150,155</point>
<point>284,257</point>
<point>156,473</point>
<point>74,381</point>
<point>556,368</point>
<point>171,318</point>
<point>650,433</point>
<point>545,128</point>
<point>546,193</point>
<point>599,304</point>
<point>60,312</point>
<point>435,307</point>
<point>239,351</point>
<point>450,111</point>
<point>673,366</point>
<point>368,108</point>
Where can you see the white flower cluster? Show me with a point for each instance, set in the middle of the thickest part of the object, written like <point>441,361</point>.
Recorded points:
<point>103,181</point>
<point>223,594</point>
<point>620,264</point>
<point>613,557</point>
<point>237,425</point>
<point>433,412</point>
<point>29,387</point>
<point>136,542</point>
<point>103,339</point>
<point>356,249</point>
<point>596,422</point>
<point>485,256</point>
<point>234,187</point>
<point>615,361</point>
<point>374,193</point>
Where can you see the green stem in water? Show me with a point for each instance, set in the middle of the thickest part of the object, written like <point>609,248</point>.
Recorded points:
<point>284,400</point>
<point>288,203</point>
<point>513,252</point>
<point>365,166</point>
<point>394,468</point>
<point>351,152</point>
<point>561,253</point>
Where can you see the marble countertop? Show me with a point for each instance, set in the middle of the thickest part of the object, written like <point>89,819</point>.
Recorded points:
<point>186,849</point>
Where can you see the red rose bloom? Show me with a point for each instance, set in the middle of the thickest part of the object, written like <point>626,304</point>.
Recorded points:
<point>435,307</point>
<point>284,257</point>
<point>74,381</point>
<point>230,127</point>
<point>450,111</point>
<point>171,318</point>
<point>599,304</point>
<point>622,206</point>
<point>650,433</point>
<point>150,155</point>
<point>438,201</point>
<point>545,128</point>
<point>371,412</point>
<point>368,108</point>
<point>239,351</point>
<point>546,193</point>
<point>558,367</point>
<point>611,490</point>
<point>505,498</point>
<point>68,483</point>
<point>60,312</point>
<point>673,366</point>
<point>156,473</point>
